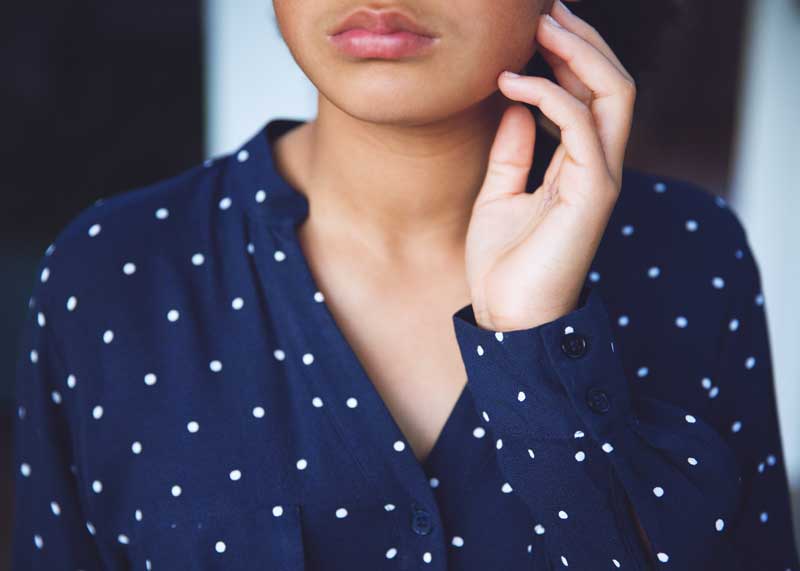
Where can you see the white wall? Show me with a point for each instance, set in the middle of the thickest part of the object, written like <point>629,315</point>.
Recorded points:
<point>250,75</point>
<point>766,195</point>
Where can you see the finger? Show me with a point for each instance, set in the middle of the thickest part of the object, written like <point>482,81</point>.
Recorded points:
<point>565,76</point>
<point>582,28</point>
<point>612,94</point>
<point>573,118</point>
<point>511,156</point>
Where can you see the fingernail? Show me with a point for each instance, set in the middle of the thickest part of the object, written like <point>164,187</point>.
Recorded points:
<point>564,6</point>
<point>511,74</point>
<point>552,21</point>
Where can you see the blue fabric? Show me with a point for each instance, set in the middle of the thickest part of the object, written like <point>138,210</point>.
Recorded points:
<point>187,401</point>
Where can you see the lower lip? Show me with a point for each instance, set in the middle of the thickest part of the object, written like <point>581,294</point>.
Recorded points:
<point>362,43</point>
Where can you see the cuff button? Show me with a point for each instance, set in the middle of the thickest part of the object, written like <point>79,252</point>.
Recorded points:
<point>574,345</point>
<point>597,399</point>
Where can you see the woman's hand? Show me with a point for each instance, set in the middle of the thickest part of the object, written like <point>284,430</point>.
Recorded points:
<point>527,255</point>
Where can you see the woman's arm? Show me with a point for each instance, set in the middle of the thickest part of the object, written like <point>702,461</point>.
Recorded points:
<point>50,530</point>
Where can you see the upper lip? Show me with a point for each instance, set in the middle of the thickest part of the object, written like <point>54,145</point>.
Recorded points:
<point>381,22</point>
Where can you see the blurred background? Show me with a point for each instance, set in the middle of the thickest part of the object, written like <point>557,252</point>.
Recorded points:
<point>101,97</point>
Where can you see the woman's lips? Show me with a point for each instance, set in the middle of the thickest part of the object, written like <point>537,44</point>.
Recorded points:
<point>362,43</point>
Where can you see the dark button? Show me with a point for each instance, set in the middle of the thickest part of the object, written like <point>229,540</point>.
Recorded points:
<point>421,521</point>
<point>573,344</point>
<point>597,399</point>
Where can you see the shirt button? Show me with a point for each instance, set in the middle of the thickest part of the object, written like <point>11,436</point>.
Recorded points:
<point>421,521</point>
<point>573,344</point>
<point>597,399</point>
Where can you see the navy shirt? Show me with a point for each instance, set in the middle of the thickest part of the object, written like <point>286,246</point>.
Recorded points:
<point>185,400</point>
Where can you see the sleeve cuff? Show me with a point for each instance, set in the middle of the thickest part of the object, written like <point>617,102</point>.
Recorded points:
<point>540,378</point>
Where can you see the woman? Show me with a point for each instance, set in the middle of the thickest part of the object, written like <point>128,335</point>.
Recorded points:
<point>381,340</point>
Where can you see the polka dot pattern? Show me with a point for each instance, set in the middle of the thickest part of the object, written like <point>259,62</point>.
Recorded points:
<point>183,383</point>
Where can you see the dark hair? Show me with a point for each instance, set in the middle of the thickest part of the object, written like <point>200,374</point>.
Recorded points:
<point>634,29</point>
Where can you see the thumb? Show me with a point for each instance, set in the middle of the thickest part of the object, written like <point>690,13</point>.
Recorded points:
<point>511,155</point>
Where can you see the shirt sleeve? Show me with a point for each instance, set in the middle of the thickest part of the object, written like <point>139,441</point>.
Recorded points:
<point>49,529</point>
<point>582,450</point>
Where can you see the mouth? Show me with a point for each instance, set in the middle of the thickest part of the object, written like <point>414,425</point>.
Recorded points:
<point>381,34</point>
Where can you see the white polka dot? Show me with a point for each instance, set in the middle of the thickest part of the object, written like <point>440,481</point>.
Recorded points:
<point>176,490</point>
<point>607,447</point>
<point>623,320</point>
<point>38,541</point>
<point>389,507</point>
<point>242,155</point>
<point>759,299</point>
<point>260,196</point>
<point>390,553</point>
<point>506,488</point>
<point>718,282</point>
<point>302,464</point>
<point>162,213</point>
<point>691,225</point>
<point>21,412</point>
<point>616,563</point>
<point>627,230</point>
<point>750,362</point>
<point>225,203</point>
<point>319,297</point>
<point>733,325</point>
<point>72,303</point>
<point>658,491</point>
<point>399,445</point>
<point>173,315</point>
<point>538,529</point>
<point>681,321</point>
<point>55,508</point>
<point>713,392</point>
<point>498,335</point>
<point>279,354</point>
<point>690,419</point>
<point>562,514</point>
<point>653,272</point>
<point>277,511</point>
<point>150,379</point>
<point>129,268</point>
<point>56,397</point>
<point>94,230</point>
<point>147,565</point>
<point>215,366</point>
<point>660,187</point>
<point>479,432</point>
<point>706,383</point>
<point>580,456</point>
<point>736,426</point>
<point>90,527</point>
<point>308,358</point>
<point>564,561</point>
<point>642,372</point>
<point>192,426</point>
<point>40,319</point>
<point>316,402</point>
<point>279,256</point>
<point>341,512</point>
<point>138,515</point>
<point>97,412</point>
<point>97,486</point>
<point>521,396</point>
<point>457,541</point>
<point>771,459</point>
<point>763,517</point>
<point>479,350</point>
<point>499,443</point>
<point>237,303</point>
<point>25,469</point>
<point>485,416</point>
<point>719,524</point>
<point>531,454</point>
<point>352,402</point>
<point>44,275</point>
<point>122,538</point>
<point>578,434</point>
<point>258,412</point>
<point>594,276</point>
<point>663,557</point>
<point>219,547</point>
<point>34,355</point>
<point>136,447</point>
<point>251,248</point>
<point>235,475</point>
<point>692,460</point>
<point>198,259</point>
<point>426,557</point>
<point>108,337</point>
<point>434,482</point>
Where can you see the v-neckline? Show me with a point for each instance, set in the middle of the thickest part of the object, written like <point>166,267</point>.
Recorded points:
<point>327,323</point>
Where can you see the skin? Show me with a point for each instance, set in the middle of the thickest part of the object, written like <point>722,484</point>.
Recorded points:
<point>415,173</point>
